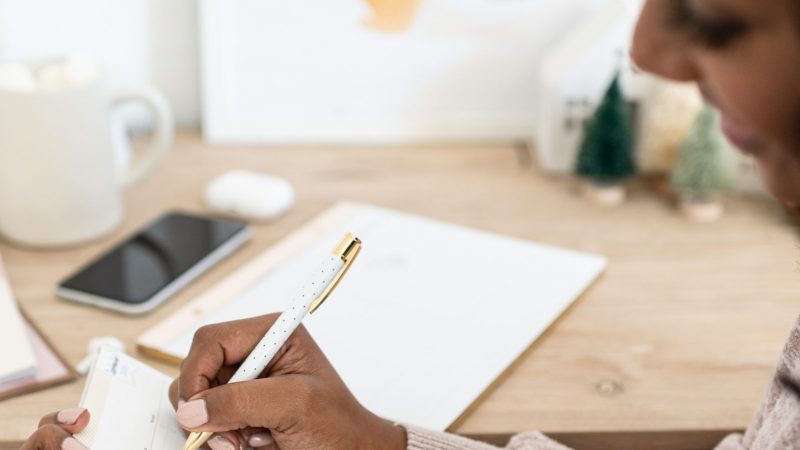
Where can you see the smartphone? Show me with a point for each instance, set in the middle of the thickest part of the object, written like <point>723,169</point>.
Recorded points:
<point>149,267</point>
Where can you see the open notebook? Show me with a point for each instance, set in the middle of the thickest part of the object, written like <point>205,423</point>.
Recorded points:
<point>427,318</point>
<point>130,406</point>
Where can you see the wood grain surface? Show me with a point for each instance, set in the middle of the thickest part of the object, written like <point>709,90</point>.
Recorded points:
<point>671,348</point>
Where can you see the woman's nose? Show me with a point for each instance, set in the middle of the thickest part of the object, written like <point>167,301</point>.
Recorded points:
<point>656,50</point>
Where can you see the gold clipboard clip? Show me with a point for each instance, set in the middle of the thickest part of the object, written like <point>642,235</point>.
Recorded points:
<point>347,249</point>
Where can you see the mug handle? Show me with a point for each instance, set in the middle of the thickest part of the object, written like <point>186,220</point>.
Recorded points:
<point>163,131</point>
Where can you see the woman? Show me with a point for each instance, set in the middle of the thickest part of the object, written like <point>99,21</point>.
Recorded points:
<point>744,55</point>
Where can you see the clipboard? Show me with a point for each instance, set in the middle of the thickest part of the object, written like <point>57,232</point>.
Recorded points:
<point>423,294</point>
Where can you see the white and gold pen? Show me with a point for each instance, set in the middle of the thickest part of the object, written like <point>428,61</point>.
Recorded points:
<point>307,300</point>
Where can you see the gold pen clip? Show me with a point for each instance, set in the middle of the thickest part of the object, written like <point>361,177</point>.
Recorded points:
<point>347,249</point>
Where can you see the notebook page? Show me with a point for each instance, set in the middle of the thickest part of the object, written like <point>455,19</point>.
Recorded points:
<point>130,407</point>
<point>18,360</point>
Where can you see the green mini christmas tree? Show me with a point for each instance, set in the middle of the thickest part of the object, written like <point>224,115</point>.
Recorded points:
<point>606,154</point>
<point>706,164</point>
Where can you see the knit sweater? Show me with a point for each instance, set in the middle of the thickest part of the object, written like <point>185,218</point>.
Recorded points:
<point>776,425</point>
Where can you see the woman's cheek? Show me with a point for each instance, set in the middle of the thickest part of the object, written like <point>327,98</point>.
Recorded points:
<point>746,96</point>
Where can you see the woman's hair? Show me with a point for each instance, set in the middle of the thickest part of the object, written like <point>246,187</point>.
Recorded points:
<point>796,9</point>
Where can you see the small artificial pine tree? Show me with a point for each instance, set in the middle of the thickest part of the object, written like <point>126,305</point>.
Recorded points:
<point>706,165</point>
<point>606,153</point>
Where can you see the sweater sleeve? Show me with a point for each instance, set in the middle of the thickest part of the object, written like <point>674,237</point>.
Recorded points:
<point>421,439</point>
<point>777,423</point>
<point>732,442</point>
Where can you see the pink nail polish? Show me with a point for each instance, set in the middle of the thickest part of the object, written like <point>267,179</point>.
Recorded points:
<point>220,443</point>
<point>71,443</point>
<point>260,440</point>
<point>69,416</point>
<point>193,414</point>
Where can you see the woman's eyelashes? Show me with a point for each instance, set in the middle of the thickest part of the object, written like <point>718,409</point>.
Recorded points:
<point>707,31</point>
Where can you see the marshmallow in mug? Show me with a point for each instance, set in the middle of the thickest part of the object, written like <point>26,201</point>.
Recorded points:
<point>51,76</point>
<point>57,130</point>
<point>17,77</point>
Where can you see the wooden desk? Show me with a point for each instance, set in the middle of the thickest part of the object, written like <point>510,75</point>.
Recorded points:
<point>670,349</point>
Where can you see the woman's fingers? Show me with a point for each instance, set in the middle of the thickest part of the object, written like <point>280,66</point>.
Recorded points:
<point>173,392</point>
<point>216,346</point>
<point>259,438</point>
<point>226,440</point>
<point>52,437</point>
<point>72,420</point>
<point>56,429</point>
<point>242,414</point>
<point>223,376</point>
<point>275,403</point>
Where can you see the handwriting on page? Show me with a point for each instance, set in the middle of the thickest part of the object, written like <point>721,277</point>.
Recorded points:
<point>130,407</point>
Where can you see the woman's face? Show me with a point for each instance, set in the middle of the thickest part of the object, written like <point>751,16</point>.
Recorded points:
<point>745,56</point>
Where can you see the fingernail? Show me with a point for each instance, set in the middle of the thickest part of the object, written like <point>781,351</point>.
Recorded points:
<point>260,440</point>
<point>69,416</point>
<point>220,443</point>
<point>71,443</point>
<point>193,414</point>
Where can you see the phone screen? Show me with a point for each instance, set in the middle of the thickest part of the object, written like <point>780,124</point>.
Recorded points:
<point>137,269</point>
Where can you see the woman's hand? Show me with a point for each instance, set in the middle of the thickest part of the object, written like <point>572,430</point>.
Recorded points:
<point>299,402</point>
<point>56,430</point>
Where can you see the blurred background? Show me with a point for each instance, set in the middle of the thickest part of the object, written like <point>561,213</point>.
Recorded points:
<point>148,42</point>
<point>524,118</point>
<point>367,71</point>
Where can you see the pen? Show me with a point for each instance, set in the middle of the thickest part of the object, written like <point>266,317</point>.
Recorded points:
<point>307,300</point>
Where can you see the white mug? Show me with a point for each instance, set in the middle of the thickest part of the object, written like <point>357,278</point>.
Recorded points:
<point>59,184</point>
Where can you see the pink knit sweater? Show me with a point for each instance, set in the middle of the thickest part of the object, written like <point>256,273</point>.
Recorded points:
<point>776,426</point>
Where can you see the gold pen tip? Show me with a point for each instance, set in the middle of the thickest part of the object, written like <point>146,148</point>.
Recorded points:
<point>196,440</point>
